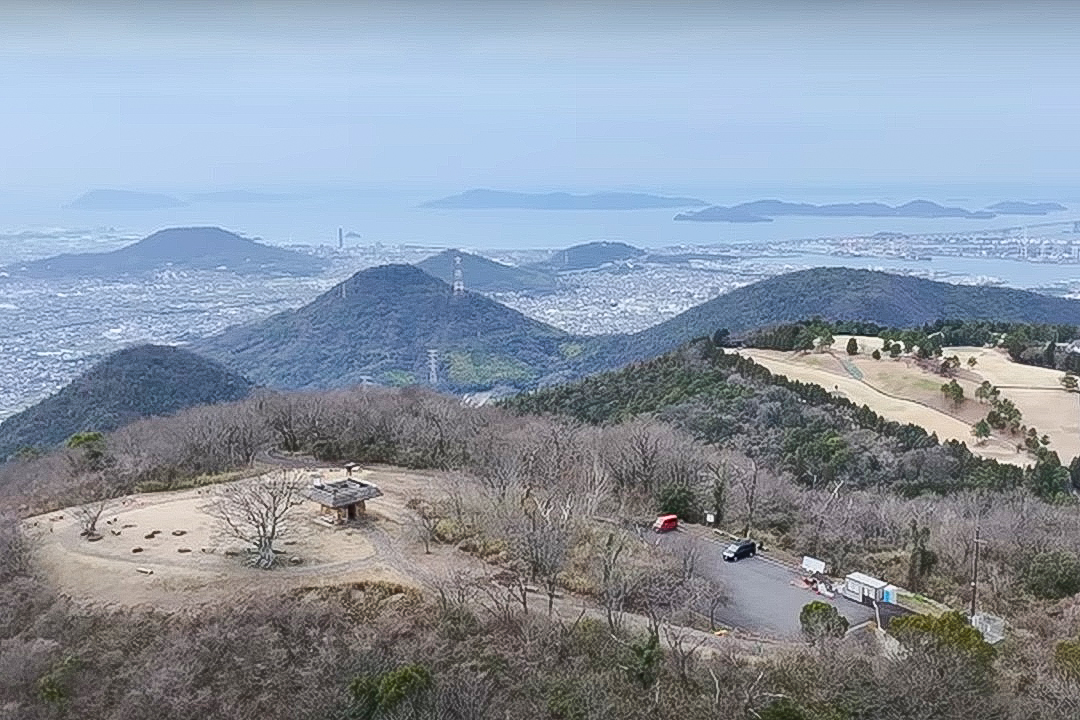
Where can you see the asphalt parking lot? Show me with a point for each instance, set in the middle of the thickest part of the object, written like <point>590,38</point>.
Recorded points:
<point>761,596</point>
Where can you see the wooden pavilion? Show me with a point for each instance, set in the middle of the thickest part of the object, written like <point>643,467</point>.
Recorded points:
<point>341,501</point>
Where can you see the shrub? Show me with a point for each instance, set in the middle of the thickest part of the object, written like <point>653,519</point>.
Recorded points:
<point>948,632</point>
<point>1053,575</point>
<point>1067,658</point>
<point>819,619</point>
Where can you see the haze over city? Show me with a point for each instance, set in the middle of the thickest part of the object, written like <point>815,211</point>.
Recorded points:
<point>480,360</point>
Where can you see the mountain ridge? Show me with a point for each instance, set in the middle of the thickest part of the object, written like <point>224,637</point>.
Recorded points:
<point>125,386</point>
<point>485,275</point>
<point>839,294</point>
<point>180,248</point>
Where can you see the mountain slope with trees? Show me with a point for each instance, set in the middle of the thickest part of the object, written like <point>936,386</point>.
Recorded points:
<point>188,248</point>
<point>487,276</point>
<point>379,325</point>
<point>589,255</point>
<point>130,384</point>
<point>841,294</point>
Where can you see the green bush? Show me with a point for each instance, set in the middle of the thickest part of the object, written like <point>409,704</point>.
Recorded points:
<point>1053,575</point>
<point>1067,658</point>
<point>950,632</point>
<point>819,619</point>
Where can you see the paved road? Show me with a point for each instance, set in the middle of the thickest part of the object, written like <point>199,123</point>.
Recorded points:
<point>762,598</point>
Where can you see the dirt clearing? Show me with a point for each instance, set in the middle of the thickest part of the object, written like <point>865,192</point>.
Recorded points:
<point>191,562</point>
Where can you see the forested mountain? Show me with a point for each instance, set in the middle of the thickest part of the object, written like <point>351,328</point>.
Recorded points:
<point>127,385</point>
<point>379,325</point>
<point>589,255</point>
<point>484,275</point>
<point>842,294</point>
<point>722,397</point>
<point>190,248</point>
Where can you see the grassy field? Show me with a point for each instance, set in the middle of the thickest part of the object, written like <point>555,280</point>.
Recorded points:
<point>899,389</point>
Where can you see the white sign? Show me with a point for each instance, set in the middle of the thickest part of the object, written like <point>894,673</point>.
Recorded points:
<point>710,518</point>
<point>813,565</point>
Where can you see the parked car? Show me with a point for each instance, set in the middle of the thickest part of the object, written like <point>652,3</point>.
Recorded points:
<point>739,550</point>
<point>666,523</point>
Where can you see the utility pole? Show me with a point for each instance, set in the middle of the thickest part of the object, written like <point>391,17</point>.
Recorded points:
<point>975,572</point>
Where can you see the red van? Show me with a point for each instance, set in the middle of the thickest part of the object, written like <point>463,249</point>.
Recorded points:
<point>664,523</point>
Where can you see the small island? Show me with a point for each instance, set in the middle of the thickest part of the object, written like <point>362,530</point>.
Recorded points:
<point>483,199</point>
<point>123,200</point>
<point>767,210</point>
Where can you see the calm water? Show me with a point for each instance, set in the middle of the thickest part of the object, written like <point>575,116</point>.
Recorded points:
<point>393,218</point>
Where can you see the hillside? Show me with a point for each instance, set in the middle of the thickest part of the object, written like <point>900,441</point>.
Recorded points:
<point>480,199</point>
<point>192,248</point>
<point>484,275</point>
<point>127,385</point>
<point>842,294</point>
<point>589,255</point>
<point>380,324</point>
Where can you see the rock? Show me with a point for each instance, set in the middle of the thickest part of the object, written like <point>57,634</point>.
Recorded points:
<point>136,549</point>
<point>183,550</point>
<point>93,538</point>
<point>179,533</point>
<point>294,560</point>
<point>144,571</point>
<point>151,536</point>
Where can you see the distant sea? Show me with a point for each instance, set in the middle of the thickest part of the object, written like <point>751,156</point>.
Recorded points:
<point>35,225</point>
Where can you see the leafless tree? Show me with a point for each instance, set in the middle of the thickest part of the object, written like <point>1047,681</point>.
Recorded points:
<point>95,497</point>
<point>425,518</point>
<point>257,511</point>
<point>747,480</point>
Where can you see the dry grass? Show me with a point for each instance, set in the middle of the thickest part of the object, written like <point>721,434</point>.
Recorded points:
<point>900,390</point>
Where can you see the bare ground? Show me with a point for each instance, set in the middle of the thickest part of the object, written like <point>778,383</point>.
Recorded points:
<point>202,566</point>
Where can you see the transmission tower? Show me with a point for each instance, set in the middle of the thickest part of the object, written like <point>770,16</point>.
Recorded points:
<point>433,367</point>
<point>459,277</point>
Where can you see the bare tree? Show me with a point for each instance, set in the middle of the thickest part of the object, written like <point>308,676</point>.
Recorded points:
<point>257,511</point>
<point>425,517</point>
<point>748,482</point>
<point>88,514</point>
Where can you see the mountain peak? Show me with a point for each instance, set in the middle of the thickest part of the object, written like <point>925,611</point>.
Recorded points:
<point>183,248</point>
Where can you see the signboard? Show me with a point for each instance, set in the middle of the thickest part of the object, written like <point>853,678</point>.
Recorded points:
<point>710,518</point>
<point>813,565</point>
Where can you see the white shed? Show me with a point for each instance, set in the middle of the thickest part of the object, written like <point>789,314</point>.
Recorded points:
<point>863,588</point>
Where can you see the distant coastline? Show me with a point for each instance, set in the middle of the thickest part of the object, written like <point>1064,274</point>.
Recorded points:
<point>766,210</point>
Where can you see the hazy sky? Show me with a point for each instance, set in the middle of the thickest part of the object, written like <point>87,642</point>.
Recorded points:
<point>187,95</point>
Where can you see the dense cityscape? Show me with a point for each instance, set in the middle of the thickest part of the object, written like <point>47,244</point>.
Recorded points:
<point>48,333</point>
